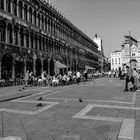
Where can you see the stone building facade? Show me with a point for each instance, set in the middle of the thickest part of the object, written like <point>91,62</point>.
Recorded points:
<point>116,60</point>
<point>34,35</point>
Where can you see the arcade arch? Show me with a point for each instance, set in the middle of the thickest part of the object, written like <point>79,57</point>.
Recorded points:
<point>6,66</point>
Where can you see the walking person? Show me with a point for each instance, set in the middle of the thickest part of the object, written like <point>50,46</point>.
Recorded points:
<point>85,75</point>
<point>43,76</point>
<point>135,76</point>
<point>26,78</point>
<point>78,76</point>
<point>128,78</point>
<point>31,76</point>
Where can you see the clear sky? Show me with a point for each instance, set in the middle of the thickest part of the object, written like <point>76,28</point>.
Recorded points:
<point>110,19</point>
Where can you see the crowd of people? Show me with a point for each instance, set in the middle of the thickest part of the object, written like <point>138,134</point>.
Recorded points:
<point>130,75</point>
<point>58,79</point>
<point>133,76</point>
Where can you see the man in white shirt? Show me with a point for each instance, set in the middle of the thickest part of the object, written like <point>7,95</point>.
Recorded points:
<point>78,75</point>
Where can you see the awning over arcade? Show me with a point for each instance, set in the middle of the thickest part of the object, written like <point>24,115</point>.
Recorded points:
<point>89,68</point>
<point>59,65</point>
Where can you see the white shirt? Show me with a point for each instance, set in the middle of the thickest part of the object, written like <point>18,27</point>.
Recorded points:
<point>78,74</point>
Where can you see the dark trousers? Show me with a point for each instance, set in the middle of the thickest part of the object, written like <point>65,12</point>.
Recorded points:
<point>126,82</point>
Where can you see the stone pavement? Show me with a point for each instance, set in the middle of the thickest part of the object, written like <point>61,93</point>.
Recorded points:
<point>100,111</point>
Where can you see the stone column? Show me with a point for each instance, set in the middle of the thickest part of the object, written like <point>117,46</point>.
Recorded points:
<point>6,34</point>
<point>23,12</point>
<point>11,7</point>
<point>41,66</point>
<point>76,65</point>
<point>71,65</point>
<point>19,38</point>
<point>29,39</point>
<point>24,34</point>
<point>4,5</point>
<point>13,69</point>
<point>49,66</point>
<point>0,69</point>
<point>17,9</point>
<point>25,67</point>
<point>27,14</point>
<point>34,64</point>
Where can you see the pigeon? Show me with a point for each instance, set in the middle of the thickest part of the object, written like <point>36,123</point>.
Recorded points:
<point>40,98</point>
<point>19,89</point>
<point>80,100</point>
<point>39,104</point>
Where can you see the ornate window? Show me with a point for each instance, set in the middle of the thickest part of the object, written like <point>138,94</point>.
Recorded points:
<point>8,5</point>
<point>32,40</point>
<point>39,20</point>
<point>40,44</point>
<point>2,32</point>
<point>36,43</point>
<point>27,40</point>
<point>25,12</point>
<point>35,17</point>
<point>15,7</point>
<point>42,22</point>
<point>2,4</point>
<point>21,37</point>
<point>9,34</point>
<point>20,9</point>
<point>30,15</point>
<point>16,36</point>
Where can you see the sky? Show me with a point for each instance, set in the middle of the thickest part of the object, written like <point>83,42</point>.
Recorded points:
<point>110,19</point>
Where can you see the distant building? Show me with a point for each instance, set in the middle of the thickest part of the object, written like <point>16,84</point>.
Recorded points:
<point>34,36</point>
<point>99,42</point>
<point>131,52</point>
<point>116,60</point>
<point>128,55</point>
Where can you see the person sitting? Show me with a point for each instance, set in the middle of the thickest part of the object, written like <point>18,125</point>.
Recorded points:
<point>44,75</point>
<point>39,81</point>
<point>55,81</point>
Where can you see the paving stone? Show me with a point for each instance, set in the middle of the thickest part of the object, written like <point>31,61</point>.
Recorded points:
<point>11,138</point>
<point>75,137</point>
<point>12,126</point>
<point>1,121</point>
<point>34,129</point>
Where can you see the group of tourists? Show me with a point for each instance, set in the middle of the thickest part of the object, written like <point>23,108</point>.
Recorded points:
<point>55,80</point>
<point>132,75</point>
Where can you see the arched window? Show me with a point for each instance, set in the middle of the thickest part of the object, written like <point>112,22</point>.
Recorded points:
<point>8,5</point>
<point>26,39</point>
<point>30,15</point>
<point>36,42</point>
<point>15,7</point>
<point>40,44</point>
<point>2,4</point>
<point>42,22</point>
<point>43,44</point>
<point>48,25</point>
<point>25,12</point>
<point>39,20</point>
<point>20,10</point>
<point>16,35</point>
<point>9,33</point>
<point>21,37</point>
<point>2,31</point>
<point>32,40</point>
<point>35,17</point>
